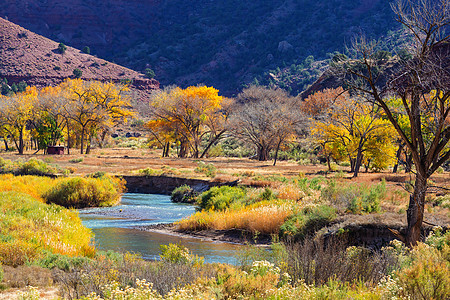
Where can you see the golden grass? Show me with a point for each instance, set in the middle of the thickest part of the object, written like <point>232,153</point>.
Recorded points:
<point>263,217</point>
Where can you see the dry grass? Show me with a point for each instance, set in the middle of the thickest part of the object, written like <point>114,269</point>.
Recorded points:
<point>263,217</point>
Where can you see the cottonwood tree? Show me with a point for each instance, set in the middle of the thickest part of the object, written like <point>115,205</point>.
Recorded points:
<point>189,116</point>
<point>15,114</point>
<point>266,118</point>
<point>94,106</point>
<point>422,82</point>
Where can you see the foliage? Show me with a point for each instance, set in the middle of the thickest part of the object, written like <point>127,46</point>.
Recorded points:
<point>31,167</point>
<point>62,48</point>
<point>355,198</point>
<point>187,117</point>
<point>207,169</point>
<point>76,160</point>
<point>266,119</point>
<point>29,228</point>
<point>221,198</point>
<point>178,254</point>
<point>59,261</point>
<point>77,73</point>
<point>86,50</point>
<point>307,221</point>
<point>86,192</point>
<point>184,194</point>
<point>150,73</point>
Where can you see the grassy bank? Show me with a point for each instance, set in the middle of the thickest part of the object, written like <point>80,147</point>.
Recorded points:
<point>33,221</point>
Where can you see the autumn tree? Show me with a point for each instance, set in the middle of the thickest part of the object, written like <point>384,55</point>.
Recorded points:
<point>95,106</point>
<point>421,80</point>
<point>356,130</point>
<point>15,114</point>
<point>266,118</point>
<point>189,116</point>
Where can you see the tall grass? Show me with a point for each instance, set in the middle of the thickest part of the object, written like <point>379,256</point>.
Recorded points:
<point>29,227</point>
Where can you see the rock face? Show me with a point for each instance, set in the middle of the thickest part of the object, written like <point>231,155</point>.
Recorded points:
<point>26,56</point>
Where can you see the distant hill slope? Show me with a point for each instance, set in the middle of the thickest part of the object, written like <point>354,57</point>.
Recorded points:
<point>26,56</point>
<point>225,43</point>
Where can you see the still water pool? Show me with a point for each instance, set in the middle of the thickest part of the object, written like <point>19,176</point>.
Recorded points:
<point>114,228</point>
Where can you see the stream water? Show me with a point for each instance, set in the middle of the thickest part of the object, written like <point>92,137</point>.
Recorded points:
<point>114,228</point>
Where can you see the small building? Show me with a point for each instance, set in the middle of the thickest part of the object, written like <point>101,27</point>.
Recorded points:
<point>58,150</point>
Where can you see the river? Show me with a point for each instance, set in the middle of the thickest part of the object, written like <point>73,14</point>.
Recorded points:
<point>114,228</point>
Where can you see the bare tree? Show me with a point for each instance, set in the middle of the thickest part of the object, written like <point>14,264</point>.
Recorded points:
<point>266,118</point>
<point>421,81</point>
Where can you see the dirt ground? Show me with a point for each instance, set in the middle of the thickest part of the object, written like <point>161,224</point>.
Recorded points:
<point>128,161</point>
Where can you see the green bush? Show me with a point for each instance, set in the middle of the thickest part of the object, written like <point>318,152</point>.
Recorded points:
<point>62,48</point>
<point>221,198</point>
<point>30,167</point>
<point>184,194</point>
<point>150,73</point>
<point>308,220</point>
<point>86,50</point>
<point>354,198</point>
<point>178,254</point>
<point>77,73</point>
<point>61,262</point>
<point>76,160</point>
<point>1,273</point>
<point>86,192</point>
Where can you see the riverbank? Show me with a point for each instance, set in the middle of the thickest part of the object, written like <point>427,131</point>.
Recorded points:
<point>233,236</point>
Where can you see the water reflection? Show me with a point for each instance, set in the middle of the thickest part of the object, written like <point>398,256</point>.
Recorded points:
<point>113,228</point>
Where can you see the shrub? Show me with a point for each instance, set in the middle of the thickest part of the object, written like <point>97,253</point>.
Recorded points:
<point>86,50</point>
<point>86,192</point>
<point>76,160</point>
<point>427,277</point>
<point>356,199</point>
<point>29,228</point>
<point>150,73</point>
<point>178,254</point>
<point>61,262</point>
<point>1,273</point>
<point>221,198</point>
<point>184,194</point>
<point>62,48</point>
<point>308,221</point>
<point>30,167</point>
<point>207,169</point>
<point>77,73</point>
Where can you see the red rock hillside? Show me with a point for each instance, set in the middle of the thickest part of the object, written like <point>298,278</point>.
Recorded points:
<point>36,60</point>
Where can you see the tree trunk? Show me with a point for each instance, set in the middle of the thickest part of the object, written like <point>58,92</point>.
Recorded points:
<point>357,162</point>
<point>183,149</point>
<point>21,142</point>
<point>263,153</point>
<point>88,147</point>
<point>415,211</point>
<point>399,152</point>
<point>166,150</point>
<point>276,153</point>
<point>6,144</point>
<point>82,141</point>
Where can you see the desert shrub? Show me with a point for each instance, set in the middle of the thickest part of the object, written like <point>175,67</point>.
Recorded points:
<point>150,172</point>
<point>316,262</point>
<point>62,48</point>
<point>184,194</point>
<point>86,192</point>
<point>29,228</point>
<point>207,169</point>
<point>23,276</point>
<point>427,277</point>
<point>61,262</point>
<point>149,73</point>
<point>30,167</point>
<point>86,50</point>
<point>307,221</point>
<point>164,276</point>
<point>221,198</point>
<point>77,73</point>
<point>1,273</point>
<point>178,254</point>
<point>76,160</point>
<point>356,199</point>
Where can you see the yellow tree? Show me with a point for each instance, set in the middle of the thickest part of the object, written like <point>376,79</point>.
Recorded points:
<point>356,130</point>
<point>16,112</point>
<point>191,115</point>
<point>94,106</point>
